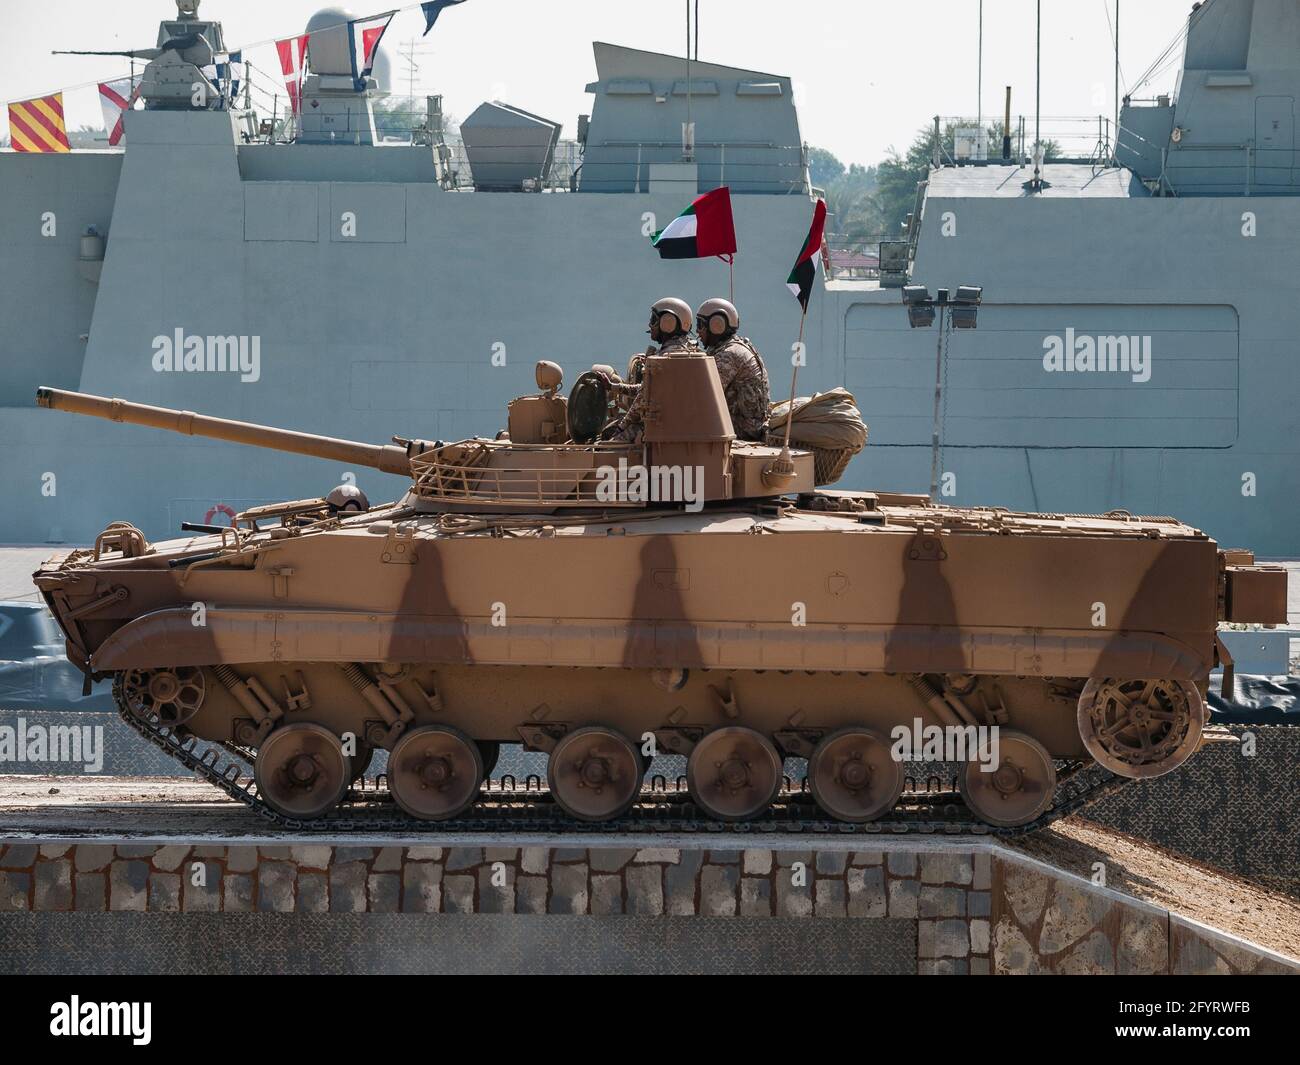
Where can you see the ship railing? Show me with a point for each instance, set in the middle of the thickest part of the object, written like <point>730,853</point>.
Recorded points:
<point>748,166</point>
<point>503,473</point>
<point>743,166</point>
<point>954,140</point>
<point>1247,166</point>
<point>853,257</point>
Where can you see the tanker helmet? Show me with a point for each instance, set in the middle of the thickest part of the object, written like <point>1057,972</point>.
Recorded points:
<point>347,498</point>
<point>669,317</point>
<point>716,320</point>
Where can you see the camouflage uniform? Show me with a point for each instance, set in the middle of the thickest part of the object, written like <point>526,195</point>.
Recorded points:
<point>632,426</point>
<point>744,383</point>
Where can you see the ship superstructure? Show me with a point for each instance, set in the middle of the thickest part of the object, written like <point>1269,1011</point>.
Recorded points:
<point>1135,348</point>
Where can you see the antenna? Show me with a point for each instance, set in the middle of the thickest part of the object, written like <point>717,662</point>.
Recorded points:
<point>688,131</point>
<point>979,75</point>
<point>1114,149</point>
<point>1038,99</point>
<point>411,52</point>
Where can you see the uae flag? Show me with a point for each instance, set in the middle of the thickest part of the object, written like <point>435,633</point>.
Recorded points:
<point>703,229</point>
<point>800,281</point>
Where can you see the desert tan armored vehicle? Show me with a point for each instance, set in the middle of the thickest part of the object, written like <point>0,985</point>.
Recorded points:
<point>604,602</point>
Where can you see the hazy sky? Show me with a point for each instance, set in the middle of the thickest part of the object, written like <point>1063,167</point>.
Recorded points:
<point>867,72</point>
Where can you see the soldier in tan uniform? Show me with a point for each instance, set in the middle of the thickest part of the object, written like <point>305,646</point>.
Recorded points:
<point>744,377</point>
<point>670,328</point>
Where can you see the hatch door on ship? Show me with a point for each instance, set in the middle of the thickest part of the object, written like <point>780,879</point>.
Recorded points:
<point>1274,140</point>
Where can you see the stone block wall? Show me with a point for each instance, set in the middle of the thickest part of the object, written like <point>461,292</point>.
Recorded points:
<point>974,909</point>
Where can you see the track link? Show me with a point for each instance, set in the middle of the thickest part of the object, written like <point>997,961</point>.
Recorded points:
<point>370,808</point>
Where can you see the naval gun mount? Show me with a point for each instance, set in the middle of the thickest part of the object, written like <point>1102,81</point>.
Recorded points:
<point>175,66</point>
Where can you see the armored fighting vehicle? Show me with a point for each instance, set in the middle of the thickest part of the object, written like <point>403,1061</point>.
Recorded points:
<point>604,602</point>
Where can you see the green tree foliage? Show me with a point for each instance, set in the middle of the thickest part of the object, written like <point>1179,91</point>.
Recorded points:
<point>898,176</point>
<point>852,217</point>
<point>823,167</point>
<point>398,115</point>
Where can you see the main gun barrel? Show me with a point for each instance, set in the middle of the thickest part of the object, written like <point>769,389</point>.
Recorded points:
<point>386,457</point>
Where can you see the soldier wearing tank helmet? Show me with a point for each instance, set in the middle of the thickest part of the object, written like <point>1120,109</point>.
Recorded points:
<point>744,377</point>
<point>670,329</point>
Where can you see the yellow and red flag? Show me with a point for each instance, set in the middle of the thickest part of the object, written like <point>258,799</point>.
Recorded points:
<point>37,125</point>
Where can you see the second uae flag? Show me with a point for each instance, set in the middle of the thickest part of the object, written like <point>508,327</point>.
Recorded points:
<point>800,281</point>
<point>703,229</point>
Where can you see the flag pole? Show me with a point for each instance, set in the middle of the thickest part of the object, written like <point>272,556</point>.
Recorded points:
<point>781,469</point>
<point>731,278</point>
<point>794,378</point>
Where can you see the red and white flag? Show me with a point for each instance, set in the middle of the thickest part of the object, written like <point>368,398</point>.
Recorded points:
<point>292,50</point>
<point>365,34</point>
<point>116,98</point>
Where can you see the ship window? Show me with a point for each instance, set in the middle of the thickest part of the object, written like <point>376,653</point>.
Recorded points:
<point>622,87</point>
<point>698,88</point>
<point>758,88</point>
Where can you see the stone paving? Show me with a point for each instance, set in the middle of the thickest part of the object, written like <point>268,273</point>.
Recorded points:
<point>978,910</point>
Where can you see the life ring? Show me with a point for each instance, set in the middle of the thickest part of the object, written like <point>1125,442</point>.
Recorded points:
<point>220,508</point>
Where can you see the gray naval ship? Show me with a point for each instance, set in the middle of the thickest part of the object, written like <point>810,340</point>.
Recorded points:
<point>1136,345</point>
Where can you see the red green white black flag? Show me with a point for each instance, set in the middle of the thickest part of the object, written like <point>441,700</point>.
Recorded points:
<point>800,281</point>
<point>705,228</point>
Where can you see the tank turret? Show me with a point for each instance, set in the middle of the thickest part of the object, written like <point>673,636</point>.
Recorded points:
<point>689,455</point>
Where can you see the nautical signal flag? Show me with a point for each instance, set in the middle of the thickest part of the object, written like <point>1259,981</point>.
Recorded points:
<point>705,228</point>
<point>433,9</point>
<point>292,50</point>
<point>37,125</point>
<point>116,98</point>
<point>800,281</point>
<point>364,35</point>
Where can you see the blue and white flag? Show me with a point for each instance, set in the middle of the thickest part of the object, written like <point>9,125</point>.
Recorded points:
<point>233,70</point>
<point>433,9</point>
<point>364,35</point>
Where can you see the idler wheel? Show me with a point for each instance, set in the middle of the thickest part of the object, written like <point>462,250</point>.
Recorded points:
<point>734,773</point>
<point>172,695</point>
<point>1019,787</point>
<point>595,774</point>
<point>301,770</point>
<point>853,776</point>
<point>1141,728</point>
<point>435,772</point>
